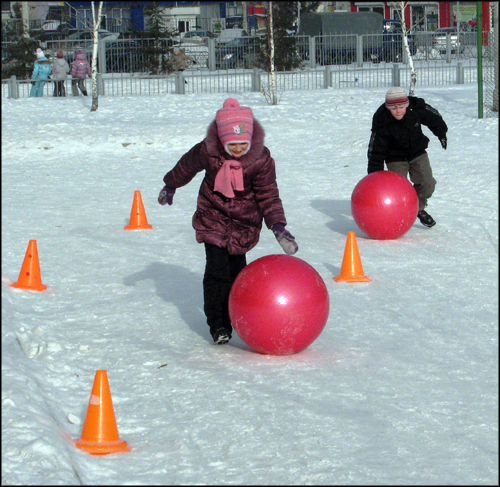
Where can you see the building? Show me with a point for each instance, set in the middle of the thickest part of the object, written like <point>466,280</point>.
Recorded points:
<point>426,16</point>
<point>123,16</point>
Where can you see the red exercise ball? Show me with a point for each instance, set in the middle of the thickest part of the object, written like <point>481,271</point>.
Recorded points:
<point>278,304</point>
<point>384,205</point>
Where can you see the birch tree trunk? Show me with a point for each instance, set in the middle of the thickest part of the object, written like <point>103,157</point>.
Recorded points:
<point>274,94</point>
<point>95,44</point>
<point>25,15</point>
<point>401,7</point>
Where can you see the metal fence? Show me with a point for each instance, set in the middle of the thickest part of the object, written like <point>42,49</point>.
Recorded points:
<point>357,62</point>
<point>242,80</point>
<point>490,70</point>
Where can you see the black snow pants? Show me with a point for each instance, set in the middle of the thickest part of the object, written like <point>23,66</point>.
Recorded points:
<point>221,271</point>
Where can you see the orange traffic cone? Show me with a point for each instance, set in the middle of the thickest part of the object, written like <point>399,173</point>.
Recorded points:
<point>100,434</point>
<point>138,220</point>
<point>352,270</point>
<point>29,277</point>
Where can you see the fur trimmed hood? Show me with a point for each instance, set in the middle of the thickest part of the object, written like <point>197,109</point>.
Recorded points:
<point>216,149</point>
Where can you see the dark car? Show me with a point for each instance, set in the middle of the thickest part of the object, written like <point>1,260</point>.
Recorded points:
<point>129,56</point>
<point>393,47</point>
<point>342,49</point>
<point>241,52</point>
<point>122,56</point>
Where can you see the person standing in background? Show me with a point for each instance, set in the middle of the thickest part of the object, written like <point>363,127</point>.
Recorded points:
<point>60,70</point>
<point>41,73</point>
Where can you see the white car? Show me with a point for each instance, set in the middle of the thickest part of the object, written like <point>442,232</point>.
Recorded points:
<point>86,35</point>
<point>197,36</point>
<point>229,34</point>
<point>439,40</point>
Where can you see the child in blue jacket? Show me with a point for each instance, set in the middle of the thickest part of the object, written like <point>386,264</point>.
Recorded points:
<point>42,70</point>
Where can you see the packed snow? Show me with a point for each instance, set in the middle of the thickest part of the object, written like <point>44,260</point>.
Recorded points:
<point>400,388</point>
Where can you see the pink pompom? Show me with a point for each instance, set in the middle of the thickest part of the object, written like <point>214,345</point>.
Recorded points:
<point>231,102</point>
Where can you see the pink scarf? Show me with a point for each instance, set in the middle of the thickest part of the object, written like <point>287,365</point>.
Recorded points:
<point>229,177</point>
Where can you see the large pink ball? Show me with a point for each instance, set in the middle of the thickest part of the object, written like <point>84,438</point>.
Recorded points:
<point>384,205</point>
<point>278,304</point>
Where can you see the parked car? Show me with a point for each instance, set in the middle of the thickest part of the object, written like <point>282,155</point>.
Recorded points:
<point>197,36</point>
<point>86,35</point>
<point>377,48</point>
<point>241,52</point>
<point>229,34</point>
<point>78,40</point>
<point>50,37</point>
<point>393,46</point>
<point>439,40</point>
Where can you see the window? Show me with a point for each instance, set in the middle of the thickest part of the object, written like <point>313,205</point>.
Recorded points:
<point>54,13</point>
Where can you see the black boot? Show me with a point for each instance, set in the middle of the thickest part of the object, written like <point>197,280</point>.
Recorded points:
<point>221,335</point>
<point>425,219</point>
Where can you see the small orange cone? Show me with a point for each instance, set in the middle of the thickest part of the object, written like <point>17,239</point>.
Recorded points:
<point>29,277</point>
<point>100,434</point>
<point>352,270</point>
<point>138,220</point>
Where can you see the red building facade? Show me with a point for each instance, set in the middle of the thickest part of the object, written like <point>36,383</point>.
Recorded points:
<point>431,15</point>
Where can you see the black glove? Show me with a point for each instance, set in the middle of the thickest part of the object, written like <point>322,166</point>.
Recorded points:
<point>166,196</point>
<point>195,62</point>
<point>444,142</point>
<point>285,238</point>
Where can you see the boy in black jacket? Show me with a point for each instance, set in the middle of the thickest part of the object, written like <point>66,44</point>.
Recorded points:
<point>397,140</point>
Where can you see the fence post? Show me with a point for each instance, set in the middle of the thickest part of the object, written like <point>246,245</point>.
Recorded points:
<point>359,51</point>
<point>460,74</point>
<point>100,84</point>
<point>13,87</point>
<point>179,83</point>
<point>396,79</point>
<point>448,48</point>
<point>101,56</point>
<point>312,52</point>
<point>256,80</point>
<point>211,55</point>
<point>327,73</point>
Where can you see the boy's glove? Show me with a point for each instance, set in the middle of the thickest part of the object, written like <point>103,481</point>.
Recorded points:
<point>285,238</point>
<point>166,196</point>
<point>444,142</point>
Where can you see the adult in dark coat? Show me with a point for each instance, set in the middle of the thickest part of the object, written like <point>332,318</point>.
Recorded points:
<point>238,193</point>
<point>397,139</point>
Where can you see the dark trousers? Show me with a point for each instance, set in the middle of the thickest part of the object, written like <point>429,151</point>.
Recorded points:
<point>59,89</point>
<point>220,272</point>
<point>420,175</point>
<point>78,83</point>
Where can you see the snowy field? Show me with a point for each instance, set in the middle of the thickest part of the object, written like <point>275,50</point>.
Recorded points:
<point>401,387</point>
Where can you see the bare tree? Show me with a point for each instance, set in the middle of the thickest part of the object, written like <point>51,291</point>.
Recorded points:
<point>96,25</point>
<point>271,93</point>
<point>400,8</point>
<point>25,15</point>
<point>94,28</point>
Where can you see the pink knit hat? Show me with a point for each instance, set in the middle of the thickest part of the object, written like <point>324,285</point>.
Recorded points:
<point>396,96</point>
<point>234,124</point>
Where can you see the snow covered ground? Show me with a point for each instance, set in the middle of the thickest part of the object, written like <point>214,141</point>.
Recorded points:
<point>401,387</point>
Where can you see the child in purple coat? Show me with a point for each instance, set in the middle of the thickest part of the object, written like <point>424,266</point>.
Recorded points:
<point>79,71</point>
<point>239,192</point>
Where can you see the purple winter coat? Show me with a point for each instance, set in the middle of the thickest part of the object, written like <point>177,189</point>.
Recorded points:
<point>236,222</point>
<point>81,66</point>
